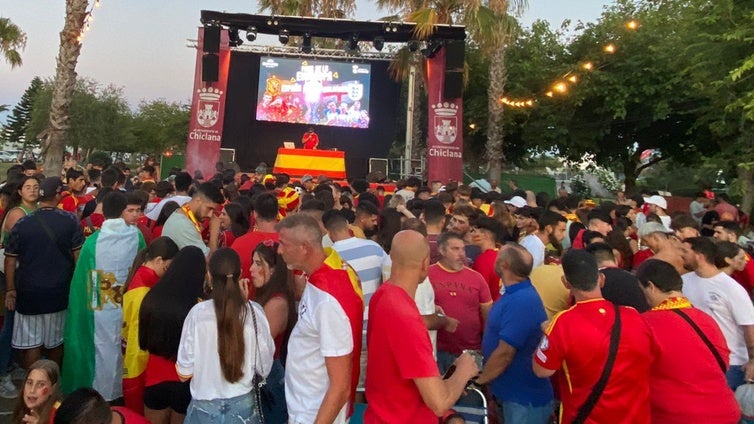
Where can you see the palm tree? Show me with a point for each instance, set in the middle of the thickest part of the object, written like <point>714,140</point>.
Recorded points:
<point>494,42</point>
<point>324,9</point>
<point>491,26</point>
<point>12,41</point>
<point>55,136</point>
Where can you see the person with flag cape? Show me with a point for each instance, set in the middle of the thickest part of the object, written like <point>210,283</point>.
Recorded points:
<point>94,318</point>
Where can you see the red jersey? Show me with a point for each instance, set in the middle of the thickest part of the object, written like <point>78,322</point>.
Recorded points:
<point>745,277</point>
<point>159,370</point>
<point>641,256</point>
<point>685,372</point>
<point>485,265</point>
<point>92,223</point>
<point>129,416</point>
<point>71,203</point>
<point>578,341</point>
<point>459,294</point>
<point>310,140</point>
<point>396,355</point>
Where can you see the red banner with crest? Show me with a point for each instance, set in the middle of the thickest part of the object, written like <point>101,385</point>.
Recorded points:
<point>445,132</point>
<point>207,112</point>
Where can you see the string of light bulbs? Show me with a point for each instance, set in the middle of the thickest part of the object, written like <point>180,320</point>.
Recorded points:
<point>88,19</point>
<point>562,85</point>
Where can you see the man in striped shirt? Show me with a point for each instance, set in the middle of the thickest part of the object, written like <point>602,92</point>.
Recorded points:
<point>371,264</point>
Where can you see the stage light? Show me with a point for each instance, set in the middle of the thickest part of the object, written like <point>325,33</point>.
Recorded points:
<point>391,28</point>
<point>284,36</point>
<point>433,46</point>
<point>352,43</point>
<point>378,43</point>
<point>413,45</point>
<point>251,33</point>
<point>234,39</point>
<point>306,43</point>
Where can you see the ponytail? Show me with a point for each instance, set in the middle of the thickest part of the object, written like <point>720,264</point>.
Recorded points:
<point>230,311</point>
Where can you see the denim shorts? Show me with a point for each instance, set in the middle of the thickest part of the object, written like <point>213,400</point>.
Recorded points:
<point>237,410</point>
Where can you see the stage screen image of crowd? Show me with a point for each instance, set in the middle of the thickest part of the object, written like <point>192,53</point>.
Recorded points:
<point>315,92</point>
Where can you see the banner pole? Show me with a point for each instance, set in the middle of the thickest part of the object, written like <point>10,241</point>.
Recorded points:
<point>409,122</point>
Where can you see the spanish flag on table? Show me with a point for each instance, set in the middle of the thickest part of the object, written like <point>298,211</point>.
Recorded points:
<point>94,319</point>
<point>330,163</point>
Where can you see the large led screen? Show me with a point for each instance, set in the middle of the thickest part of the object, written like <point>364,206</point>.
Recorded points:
<point>315,92</point>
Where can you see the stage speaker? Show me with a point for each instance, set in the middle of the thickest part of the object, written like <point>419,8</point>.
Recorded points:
<point>453,86</point>
<point>210,67</point>
<point>211,39</point>
<point>454,55</point>
<point>378,165</point>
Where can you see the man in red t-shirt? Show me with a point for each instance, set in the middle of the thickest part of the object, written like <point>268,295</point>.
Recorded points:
<point>434,217</point>
<point>403,384</point>
<point>577,340</point>
<point>462,294</point>
<point>265,217</point>
<point>702,393</point>
<point>486,233</point>
<point>310,140</point>
<point>74,198</point>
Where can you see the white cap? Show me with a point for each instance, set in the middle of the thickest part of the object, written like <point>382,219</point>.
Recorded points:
<point>656,200</point>
<point>516,201</point>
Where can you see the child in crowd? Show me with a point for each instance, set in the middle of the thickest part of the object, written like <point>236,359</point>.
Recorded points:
<point>40,393</point>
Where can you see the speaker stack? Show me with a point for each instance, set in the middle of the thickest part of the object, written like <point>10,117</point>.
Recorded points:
<point>454,58</point>
<point>211,59</point>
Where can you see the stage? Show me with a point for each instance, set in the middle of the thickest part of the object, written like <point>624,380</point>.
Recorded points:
<point>253,98</point>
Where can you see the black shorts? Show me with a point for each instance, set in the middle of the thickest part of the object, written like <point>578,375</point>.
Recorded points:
<point>168,394</point>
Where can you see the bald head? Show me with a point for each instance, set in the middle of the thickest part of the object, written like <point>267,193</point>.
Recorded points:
<point>409,249</point>
<point>514,259</point>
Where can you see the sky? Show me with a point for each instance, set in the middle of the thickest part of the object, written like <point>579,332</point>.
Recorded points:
<point>140,45</point>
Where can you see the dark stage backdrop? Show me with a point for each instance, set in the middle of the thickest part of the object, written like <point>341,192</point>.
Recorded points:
<point>257,141</point>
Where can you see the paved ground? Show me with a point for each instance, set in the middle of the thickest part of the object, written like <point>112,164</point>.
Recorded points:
<point>6,407</point>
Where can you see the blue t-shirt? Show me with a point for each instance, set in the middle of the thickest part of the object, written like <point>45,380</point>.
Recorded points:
<point>43,277</point>
<point>516,319</point>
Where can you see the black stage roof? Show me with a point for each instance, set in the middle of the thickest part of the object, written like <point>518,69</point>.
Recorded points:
<point>390,31</point>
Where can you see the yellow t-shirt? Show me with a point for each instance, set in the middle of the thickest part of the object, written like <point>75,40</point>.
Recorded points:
<point>546,279</point>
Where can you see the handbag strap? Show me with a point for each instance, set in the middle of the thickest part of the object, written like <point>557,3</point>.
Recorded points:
<point>704,338</point>
<point>591,401</point>
<point>257,384</point>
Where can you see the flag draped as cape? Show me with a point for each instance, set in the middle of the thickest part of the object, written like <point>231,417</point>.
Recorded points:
<point>94,318</point>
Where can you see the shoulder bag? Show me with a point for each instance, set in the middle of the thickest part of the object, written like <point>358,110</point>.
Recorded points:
<point>599,387</point>
<point>258,390</point>
<point>704,338</point>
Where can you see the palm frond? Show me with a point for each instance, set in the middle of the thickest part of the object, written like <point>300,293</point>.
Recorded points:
<point>425,20</point>
<point>399,67</point>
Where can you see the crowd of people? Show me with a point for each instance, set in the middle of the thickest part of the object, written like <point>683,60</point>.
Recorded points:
<point>256,298</point>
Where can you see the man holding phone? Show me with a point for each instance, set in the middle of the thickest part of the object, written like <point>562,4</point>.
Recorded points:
<point>403,383</point>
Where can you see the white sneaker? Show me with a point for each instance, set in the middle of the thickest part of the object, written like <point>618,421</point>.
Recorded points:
<point>8,390</point>
<point>18,374</point>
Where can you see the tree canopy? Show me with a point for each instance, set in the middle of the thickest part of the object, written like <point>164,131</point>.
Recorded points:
<point>102,120</point>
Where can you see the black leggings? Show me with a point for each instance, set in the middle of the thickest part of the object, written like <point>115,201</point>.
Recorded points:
<point>168,394</point>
